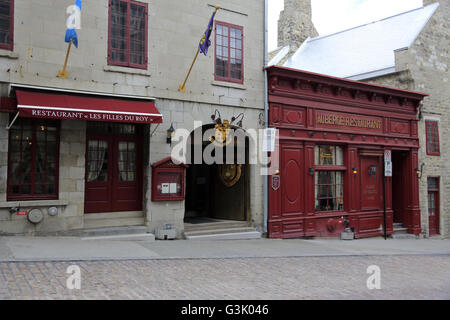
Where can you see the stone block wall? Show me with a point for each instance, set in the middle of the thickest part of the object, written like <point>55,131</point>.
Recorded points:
<point>182,115</point>
<point>174,30</point>
<point>424,67</point>
<point>70,203</point>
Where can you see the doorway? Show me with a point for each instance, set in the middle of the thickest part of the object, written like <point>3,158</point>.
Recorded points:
<point>399,181</point>
<point>433,206</point>
<point>113,168</point>
<point>217,191</point>
<point>371,183</point>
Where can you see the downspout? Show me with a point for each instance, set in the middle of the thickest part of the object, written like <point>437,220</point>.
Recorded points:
<point>266,106</point>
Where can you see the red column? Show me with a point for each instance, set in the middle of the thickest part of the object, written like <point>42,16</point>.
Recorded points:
<point>274,223</point>
<point>388,201</point>
<point>309,199</point>
<point>352,186</point>
<point>412,188</point>
<point>309,179</point>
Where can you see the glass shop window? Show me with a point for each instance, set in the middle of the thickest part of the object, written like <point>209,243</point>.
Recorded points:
<point>329,178</point>
<point>33,160</point>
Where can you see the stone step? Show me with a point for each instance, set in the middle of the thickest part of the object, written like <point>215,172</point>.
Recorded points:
<point>400,230</point>
<point>113,215</point>
<point>404,236</point>
<point>100,232</point>
<point>113,222</point>
<point>148,237</point>
<point>215,225</point>
<point>218,231</point>
<point>227,236</point>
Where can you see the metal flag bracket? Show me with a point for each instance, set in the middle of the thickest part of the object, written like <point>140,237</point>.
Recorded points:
<point>8,127</point>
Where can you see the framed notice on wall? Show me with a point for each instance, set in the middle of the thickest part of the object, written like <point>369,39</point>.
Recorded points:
<point>168,180</point>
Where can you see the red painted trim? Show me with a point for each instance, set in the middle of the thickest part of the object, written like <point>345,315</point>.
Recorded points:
<point>10,46</point>
<point>113,185</point>
<point>229,78</point>
<point>32,196</point>
<point>435,126</point>
<point>294,98</point>
<point>155,175</point>
<point>160,163</point>
<point>127,63</point>
<point>436,228</point>
<point>301,74</point>
<point>8,104</point>
<point>80,107</point>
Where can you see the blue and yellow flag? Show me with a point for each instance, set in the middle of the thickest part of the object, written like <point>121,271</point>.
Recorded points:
<point>71,34</point>
<point>204,41</point>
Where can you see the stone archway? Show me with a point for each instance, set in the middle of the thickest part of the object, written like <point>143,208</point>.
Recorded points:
<point>218,189</point>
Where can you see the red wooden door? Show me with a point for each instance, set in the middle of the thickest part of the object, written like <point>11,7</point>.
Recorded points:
<point>292,180</point>
<point>433,206</point>
<point>371,183</point>
<point>113,174</point>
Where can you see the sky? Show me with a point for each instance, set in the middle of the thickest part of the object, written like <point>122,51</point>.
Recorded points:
<point>330,16</point>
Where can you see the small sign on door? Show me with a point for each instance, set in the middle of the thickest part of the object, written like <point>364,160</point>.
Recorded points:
<point>270,135</point>
<point>388,168</point>
<point>165,188</point>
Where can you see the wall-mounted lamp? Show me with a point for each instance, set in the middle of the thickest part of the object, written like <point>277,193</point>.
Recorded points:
<point>240,117</point>
<point>216,117</point>
<point>418,171</point>
<point>170,133</point>
<point>354,170</point>
<point>311,171</point>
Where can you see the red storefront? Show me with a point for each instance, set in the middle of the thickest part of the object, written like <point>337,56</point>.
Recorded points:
<point>334,138</point>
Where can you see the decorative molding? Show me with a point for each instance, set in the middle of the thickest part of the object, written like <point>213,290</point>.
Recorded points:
<point>126,70</point>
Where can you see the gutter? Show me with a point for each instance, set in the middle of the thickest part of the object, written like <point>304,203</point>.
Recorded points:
<point>266,105</point>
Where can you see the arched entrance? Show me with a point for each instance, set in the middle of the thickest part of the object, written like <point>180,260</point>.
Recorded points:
<point>217,189</point>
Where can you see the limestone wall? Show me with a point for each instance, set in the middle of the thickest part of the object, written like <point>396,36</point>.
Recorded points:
<point>71,186</point>
<point>295,23</point>
<point>175,28</point>
<point>425,67</point>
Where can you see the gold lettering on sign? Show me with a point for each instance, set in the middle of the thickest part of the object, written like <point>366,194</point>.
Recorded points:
<point>348,121</point>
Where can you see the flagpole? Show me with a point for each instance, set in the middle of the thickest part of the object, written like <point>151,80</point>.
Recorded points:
<point>63,73</point>
<point>182,87</point>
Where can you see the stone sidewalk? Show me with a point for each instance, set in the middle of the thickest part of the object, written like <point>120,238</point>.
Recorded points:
<point>23,249</point>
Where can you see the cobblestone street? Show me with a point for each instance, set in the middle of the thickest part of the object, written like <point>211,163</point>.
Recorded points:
<point>402,277</point>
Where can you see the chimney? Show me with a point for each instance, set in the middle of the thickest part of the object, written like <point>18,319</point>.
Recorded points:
<point>427,2</point>
<point>295,23</point>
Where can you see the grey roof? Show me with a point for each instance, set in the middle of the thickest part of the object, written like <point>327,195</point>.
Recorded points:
<point>282,52</point>
<point>362,52</point>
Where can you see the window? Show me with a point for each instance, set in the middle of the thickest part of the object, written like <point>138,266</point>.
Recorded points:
<point>6,24</point>
<point>229,53</point>
<point>433,191</point>
<point>33,159</point>
<point>128,34</point>
<point>329,181</point>
<point>432,135</point>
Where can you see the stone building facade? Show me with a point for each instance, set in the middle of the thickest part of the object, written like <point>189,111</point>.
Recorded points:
<point>425,67</point>
<point>422,66</point>
<point>172,35</point>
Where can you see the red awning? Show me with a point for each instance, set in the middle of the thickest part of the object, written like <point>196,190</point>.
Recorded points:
<point>77,107</point>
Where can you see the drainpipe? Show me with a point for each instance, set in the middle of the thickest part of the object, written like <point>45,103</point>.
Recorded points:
<point>266,105</point>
